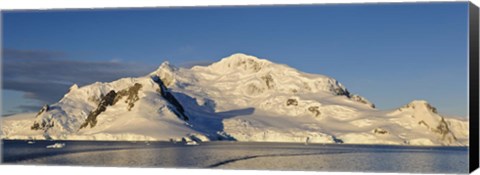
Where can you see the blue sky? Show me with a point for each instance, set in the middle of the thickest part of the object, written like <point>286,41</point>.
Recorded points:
<point>389,53</point>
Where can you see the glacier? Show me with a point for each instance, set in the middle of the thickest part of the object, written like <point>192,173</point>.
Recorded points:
<point>239,98</point>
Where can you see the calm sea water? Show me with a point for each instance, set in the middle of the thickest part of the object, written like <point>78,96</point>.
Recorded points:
<point>234,155</point>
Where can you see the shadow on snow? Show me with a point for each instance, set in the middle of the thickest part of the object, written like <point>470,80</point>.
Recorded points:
<point>204,119</point>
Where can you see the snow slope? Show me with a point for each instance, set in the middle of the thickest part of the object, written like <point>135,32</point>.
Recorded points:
<point>240,97</point>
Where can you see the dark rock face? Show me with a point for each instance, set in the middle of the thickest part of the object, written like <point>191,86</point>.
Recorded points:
<point>380,131</point>
<point>362,100</point>
<point>45,108</point>
<point>44,125</point>
<point>314,110</point>
<point>107,100</point>
<point>292,102</point>
<point>337,140</point>
<point>268,81</point>
<point>421,122</point>
<point>176,107</point>
<point>110,99</point>
<point>427,105</point>
<point>444,131</point>
<point>442,127</point>
<point>433,109</point>
<point>249,64</point>
<point>131,93</point>
<point>340,91</point>
<point>35,126</point>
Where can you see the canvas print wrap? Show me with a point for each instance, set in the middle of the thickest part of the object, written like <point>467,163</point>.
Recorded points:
<point>352,87</point>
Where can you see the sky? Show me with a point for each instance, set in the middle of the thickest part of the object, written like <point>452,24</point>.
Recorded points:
<point>389,53</point>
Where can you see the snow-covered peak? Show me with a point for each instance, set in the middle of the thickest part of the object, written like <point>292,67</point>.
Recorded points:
<point>239,62</point>
<point>241,57</point>
<point>73,87</point>
<point>166,72</point>
<point>166,66</point>
<point>419,102</point>
<point>252,76</point>
<point>419,105</point>
<point>420,111</point>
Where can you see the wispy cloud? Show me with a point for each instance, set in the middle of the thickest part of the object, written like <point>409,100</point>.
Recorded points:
<point>46,75</point>
<point>38,54</point>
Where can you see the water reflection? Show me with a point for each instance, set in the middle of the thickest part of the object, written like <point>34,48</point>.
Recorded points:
<point>226,155</point>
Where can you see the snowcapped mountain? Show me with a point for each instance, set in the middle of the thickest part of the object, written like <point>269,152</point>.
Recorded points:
<point>241,98</point>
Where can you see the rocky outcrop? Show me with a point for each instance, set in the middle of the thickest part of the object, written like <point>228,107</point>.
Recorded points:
<point>248,64</point>
<point>45,108</point>
<point>131,93</point>
<point>314,110</point>
<point>292,102</point>
<point>44,124</point>
<point>107,100</point>
<point>444,131</point>
<point>340,91</point>
<point>361,99</point>
<point>175,106</point>
<point>110,99</point>
<point>431,108</point>
<point>268,81</point>
<point>380,131</point>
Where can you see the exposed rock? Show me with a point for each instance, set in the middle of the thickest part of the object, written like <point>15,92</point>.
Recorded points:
<point>249,64</point>
<point>314,110</point>
<point>45,124</point>
<point>380,131</point>
<point>35,126</point>
<point>420,103</point>
<point>340,91</point>
<point>424,123</point>
<point>131,93</point>
<point>268,81</point>
<point>45,108</point>
<point>431,108</point>
<point>107,100</point>
<point>337,140</point>
<point>252,89</point>
<point>361,99</point>
<point>293,102</point>
<point>444,131</point>
<point>176,107</point>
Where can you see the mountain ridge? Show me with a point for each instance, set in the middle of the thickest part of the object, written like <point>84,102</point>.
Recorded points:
<point>240,97</point>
